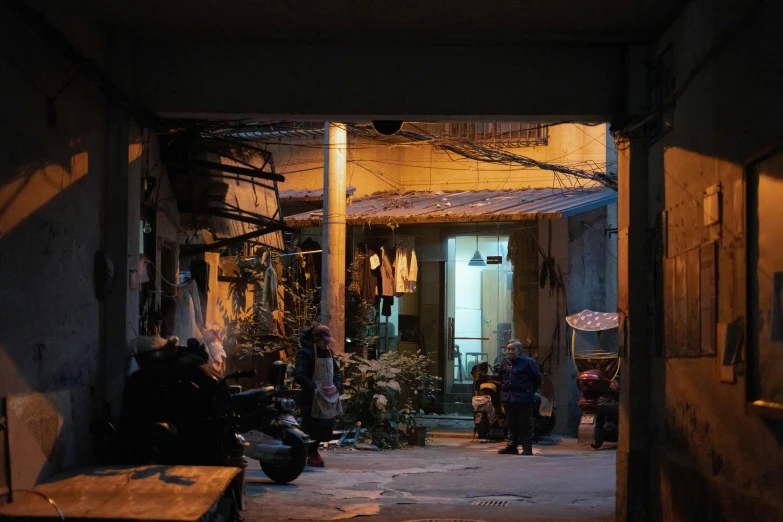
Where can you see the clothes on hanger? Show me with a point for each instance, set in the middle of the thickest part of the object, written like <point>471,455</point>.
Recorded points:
<point>192,288</point>
<point>185,326</point>
<point>413,271</point>
<point>269,294</point>
<point>364,283</point>
<point>401,271</point>
<point>369,278</point>
<point>387,272</point>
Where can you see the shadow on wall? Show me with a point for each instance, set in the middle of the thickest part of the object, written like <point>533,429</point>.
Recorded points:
<point>35,187</point>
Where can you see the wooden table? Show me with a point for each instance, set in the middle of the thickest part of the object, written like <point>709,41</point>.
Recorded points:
<point>148,493</point>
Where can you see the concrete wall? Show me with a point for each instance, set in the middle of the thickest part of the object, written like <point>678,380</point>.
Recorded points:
<point>551,318</point>
<point>711,459</point>
<point>374,167</point>
<point>70,186</point>
<point>51,224</point>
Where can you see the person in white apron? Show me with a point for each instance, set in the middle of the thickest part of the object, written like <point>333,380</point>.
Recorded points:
<point>319,376</point>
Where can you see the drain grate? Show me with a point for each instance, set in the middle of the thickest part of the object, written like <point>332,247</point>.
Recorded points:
<point>490,503</point>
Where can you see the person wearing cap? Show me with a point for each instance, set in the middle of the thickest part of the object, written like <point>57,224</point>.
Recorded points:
<point>520,378</point>
<point>319,376</point>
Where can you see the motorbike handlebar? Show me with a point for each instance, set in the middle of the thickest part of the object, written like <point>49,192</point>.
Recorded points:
<point>249,374</point>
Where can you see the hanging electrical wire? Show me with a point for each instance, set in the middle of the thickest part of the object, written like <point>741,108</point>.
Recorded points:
<point>566,173</point>
<point>493,154</point>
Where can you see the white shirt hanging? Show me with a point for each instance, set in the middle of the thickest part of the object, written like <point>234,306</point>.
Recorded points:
<point>413,272</point>
<point>401,271</point>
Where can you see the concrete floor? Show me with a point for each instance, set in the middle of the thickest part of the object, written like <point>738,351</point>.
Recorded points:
<point>444,480</point>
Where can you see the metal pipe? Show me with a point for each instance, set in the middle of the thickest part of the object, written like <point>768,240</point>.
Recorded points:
<point>333,263</point>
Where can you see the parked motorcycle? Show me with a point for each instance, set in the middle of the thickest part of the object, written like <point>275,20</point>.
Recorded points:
<point>272,433</point>
<point>489,418</point>
<point>177,411</point>
<point>600,405</point>
<point>595,353</point>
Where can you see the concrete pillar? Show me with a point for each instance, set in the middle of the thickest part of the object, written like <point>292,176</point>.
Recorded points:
<point>633,453</point>
<point>333,267</point>
<point>121,239</point>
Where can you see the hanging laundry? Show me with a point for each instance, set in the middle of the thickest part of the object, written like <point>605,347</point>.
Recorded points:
<point>386,305</point>
<point>269,293</point>
<point>413,271</point>
<point>185,326</point>
<point>387,273</point>
<point>401,271</point>
<point>192,288</point>
<point>369,282</point>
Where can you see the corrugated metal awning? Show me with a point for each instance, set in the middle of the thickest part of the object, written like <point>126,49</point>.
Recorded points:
<point>465,206</point>
<point>309,195</point>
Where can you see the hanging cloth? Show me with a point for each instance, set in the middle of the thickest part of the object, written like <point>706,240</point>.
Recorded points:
<point>387,274</point>
<point>185,326</point>
<point>413,272</point>
<point>401,271</point>
<point>326,398</point>
<point>269,293</point>
<point>193,290</point>
<point>369,282</point>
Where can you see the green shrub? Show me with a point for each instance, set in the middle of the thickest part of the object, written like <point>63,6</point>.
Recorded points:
<point>386,394</point>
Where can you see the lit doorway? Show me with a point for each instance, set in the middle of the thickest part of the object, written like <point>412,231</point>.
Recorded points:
<point>479,302</point>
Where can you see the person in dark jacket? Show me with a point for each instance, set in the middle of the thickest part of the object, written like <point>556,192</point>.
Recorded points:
<point>319,376</point>
<point>520,378</point>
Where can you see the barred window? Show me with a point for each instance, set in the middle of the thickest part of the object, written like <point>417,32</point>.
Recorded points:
<point>501,134</point>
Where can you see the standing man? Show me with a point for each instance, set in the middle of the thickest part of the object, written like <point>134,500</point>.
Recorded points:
<point>520,378</point>
<point>322,384</point>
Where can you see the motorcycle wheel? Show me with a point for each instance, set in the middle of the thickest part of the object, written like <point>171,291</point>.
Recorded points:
<point>545,425</point>
<point>599,432</point>
<point>288,472</point>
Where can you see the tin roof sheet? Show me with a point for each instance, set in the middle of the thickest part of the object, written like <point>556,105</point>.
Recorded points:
<point>465,206</point>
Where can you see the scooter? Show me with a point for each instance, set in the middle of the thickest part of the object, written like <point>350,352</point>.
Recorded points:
<point>597,361</point>
<point>600,405</point>
<point>272,433</point>
<point>489,419</point>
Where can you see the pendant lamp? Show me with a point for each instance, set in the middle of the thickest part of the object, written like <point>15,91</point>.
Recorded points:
<point>477,260</point>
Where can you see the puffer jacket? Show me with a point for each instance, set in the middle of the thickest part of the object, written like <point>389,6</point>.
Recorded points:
<point>305,368</point>
<point>519,379</point>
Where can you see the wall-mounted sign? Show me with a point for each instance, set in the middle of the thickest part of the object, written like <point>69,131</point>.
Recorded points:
<point>494,260</point>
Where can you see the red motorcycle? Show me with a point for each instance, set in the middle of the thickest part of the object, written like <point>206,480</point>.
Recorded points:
<point>595,352</point>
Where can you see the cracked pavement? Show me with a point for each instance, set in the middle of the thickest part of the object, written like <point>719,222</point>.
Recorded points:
<point>447,479</point>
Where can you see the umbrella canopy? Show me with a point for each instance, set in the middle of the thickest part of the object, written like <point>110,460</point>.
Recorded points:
<point>590,321</point>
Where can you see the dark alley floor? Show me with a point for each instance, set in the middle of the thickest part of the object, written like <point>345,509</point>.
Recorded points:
<point>448,479</point>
